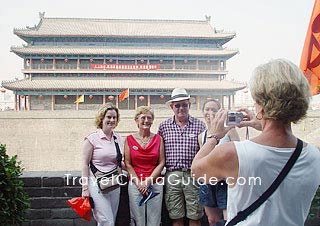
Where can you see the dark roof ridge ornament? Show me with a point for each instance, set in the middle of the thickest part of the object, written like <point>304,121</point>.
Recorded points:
<point>208,18</point>
<point>41,15</point>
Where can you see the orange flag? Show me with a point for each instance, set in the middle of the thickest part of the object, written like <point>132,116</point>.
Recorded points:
<point>124,95</point>
<point>310,58</point>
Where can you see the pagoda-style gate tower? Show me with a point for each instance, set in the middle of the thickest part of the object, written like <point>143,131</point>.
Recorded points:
<point>99,58</point>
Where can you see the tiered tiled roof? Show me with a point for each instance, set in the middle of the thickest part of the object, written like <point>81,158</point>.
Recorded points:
<point>122,51</point>
<point>120,83</point>
<point>123,28</point>
<point>199,33</point>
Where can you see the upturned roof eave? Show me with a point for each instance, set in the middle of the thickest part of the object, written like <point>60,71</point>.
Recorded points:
<point>26,34</point>
<point>20,52</point>
<point>17,53</point>
<point>14,86</point>
<point>104,89</point>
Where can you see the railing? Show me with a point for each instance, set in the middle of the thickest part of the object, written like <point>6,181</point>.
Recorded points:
<point>84,66</point>
<point>208,67</point>
<point>66,66</point>
<point>185,67</point>
<point>87,66</point>
<point>40,66</point>
<point>166,66</point>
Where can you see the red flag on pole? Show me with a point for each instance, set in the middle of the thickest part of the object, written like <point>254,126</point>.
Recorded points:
<point>124,95</point>
<point>310,58</point>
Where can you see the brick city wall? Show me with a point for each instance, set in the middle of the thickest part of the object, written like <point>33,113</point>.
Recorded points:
<point>52,141</point>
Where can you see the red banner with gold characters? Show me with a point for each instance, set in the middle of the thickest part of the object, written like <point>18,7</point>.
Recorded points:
<point>125,66</point>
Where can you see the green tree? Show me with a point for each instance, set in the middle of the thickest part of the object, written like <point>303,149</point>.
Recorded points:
<point>13,200</point>
<point>315,206</point>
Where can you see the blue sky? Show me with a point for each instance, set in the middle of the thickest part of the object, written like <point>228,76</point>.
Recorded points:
<point>266,29</point>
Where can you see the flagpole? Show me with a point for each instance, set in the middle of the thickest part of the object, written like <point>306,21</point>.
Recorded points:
<point>128,99</point>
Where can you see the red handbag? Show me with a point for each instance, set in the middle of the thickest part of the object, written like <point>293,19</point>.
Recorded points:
<point>81,206</point>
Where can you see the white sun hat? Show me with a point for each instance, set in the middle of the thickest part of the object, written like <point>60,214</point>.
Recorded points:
<point>178,94</point>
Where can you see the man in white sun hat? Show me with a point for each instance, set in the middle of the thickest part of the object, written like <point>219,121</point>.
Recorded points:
<point>180,136</point>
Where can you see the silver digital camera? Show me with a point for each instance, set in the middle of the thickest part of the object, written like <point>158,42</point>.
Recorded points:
<point>234,118</point>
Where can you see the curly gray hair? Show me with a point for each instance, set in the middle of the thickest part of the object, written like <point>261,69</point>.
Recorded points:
<point>282,90</point>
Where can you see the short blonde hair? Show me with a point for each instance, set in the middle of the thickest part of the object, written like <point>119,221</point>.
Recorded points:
<point>102,113</point>
<point>143,110</point>
<point>282,90</point>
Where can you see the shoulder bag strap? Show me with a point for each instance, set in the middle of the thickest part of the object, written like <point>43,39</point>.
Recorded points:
<point>93,168</point>
<point>204,140</point>
<point>119,155</point>
<point>242,215</point>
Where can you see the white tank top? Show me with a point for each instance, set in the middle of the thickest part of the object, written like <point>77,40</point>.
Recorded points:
<point>290,203</point>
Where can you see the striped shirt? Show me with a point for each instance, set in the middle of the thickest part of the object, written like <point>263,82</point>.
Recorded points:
<point>180,144</point>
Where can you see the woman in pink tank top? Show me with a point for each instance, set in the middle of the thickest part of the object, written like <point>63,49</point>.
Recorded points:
<point>144,159</point>
<point>99,149</point>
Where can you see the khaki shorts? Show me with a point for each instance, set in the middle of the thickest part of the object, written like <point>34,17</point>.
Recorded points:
<point>182,195</point>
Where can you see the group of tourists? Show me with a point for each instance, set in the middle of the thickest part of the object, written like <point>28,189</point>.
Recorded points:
<point>179,162</point>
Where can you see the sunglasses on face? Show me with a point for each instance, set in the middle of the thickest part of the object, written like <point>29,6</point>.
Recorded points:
<point>184,105</point>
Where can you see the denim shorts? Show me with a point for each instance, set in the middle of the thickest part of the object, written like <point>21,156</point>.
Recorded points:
<point>214,195</point>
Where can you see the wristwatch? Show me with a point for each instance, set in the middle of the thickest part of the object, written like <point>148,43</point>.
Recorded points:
<point>214,136</point>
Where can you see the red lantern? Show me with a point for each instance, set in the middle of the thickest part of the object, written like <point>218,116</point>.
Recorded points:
<point>90,97</point>
<point>185,61</point>
<point>40,96</point>
<point>42,60</point>
<point>3,90</point>
<point>22,97</point>
<point>66,60</point>
<point>110,60</point>
<point>141,98</point>
<point>161,61</point>
<point>142,60</point>
<point>91,60</point>
<point>65,96</point>
<point>161,96</point>
<point>110,97</point>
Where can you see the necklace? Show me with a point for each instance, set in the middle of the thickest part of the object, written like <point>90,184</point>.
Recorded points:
<point>143,140</point>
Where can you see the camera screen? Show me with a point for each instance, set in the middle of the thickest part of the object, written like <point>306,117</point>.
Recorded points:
<point>232,118</point>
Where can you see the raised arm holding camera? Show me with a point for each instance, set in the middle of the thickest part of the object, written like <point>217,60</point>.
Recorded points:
<point>214,196</point>
<point>281,94</point>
